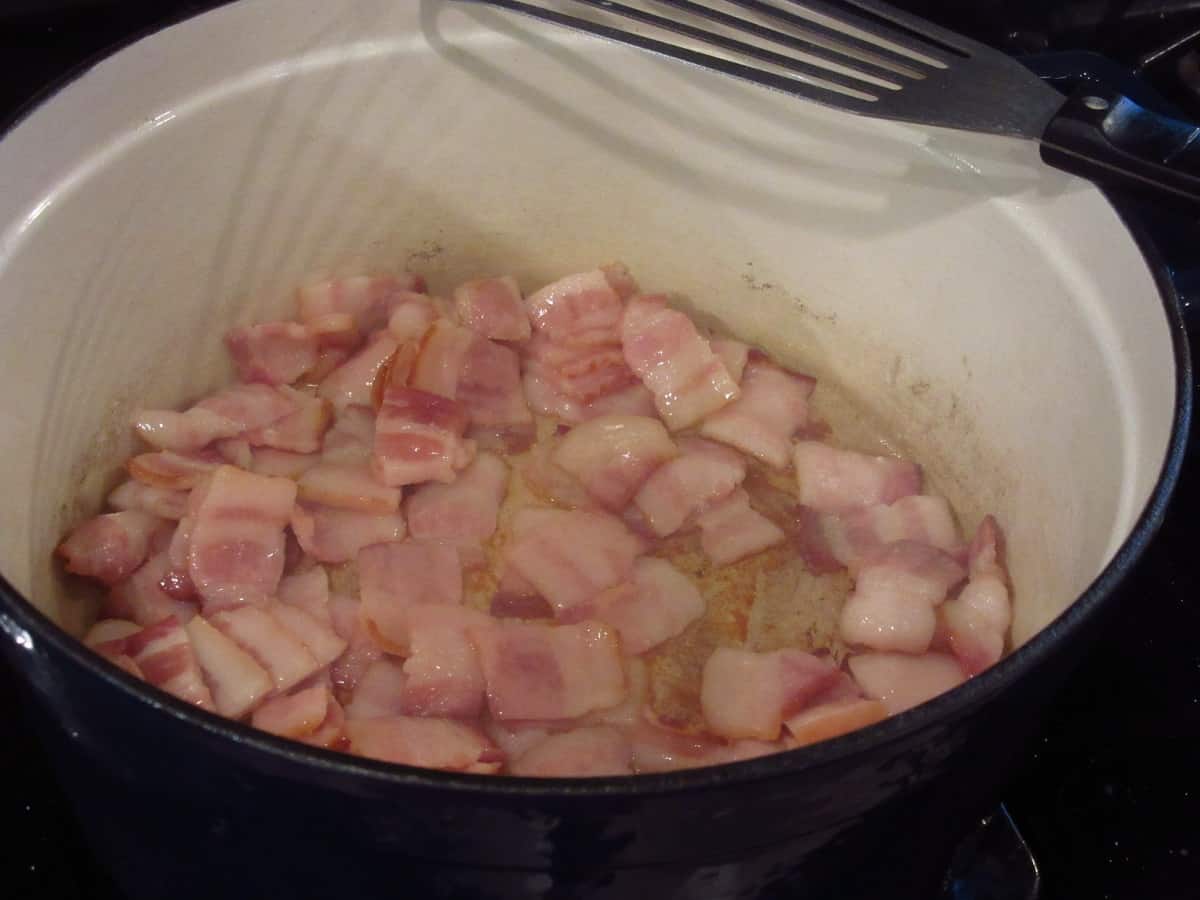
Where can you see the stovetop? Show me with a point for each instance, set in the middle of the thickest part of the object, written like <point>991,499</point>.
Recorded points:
<point>1108,802</point>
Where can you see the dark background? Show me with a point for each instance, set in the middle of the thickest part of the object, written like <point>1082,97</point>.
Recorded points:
<point>1109,800</point>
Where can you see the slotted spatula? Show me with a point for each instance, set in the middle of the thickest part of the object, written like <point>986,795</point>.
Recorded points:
<point>866,57</point>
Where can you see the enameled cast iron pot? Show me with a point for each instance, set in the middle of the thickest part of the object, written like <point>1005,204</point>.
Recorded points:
<point>994,316</point>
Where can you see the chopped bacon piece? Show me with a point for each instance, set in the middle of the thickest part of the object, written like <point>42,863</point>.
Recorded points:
<point>442,669</point>
<point>353,381</point>
<point>108,630</point>
<point>658,603</point>
<point>570,556</point>
<point>511,439</point>
<point>731,530</point>
<point>582,372</point>
<point>317,636</point>
<point>224,414</point>
<point>489,386</point>
<point>236,451</point>
<point>133,494</point>
<point>678,490</point>
<point>294,715</point>
<point>493,307</point>
<point>173,471</point>
<point>350,487</point>
<point>164,657</point>
<point>285,657</point>
<point>976,622</point>
<point>551,482</point>
<point>547,672</point>
<point>331,732</point>
<point>333,331</point>
<point>734,354</point>
<point>308,590</point>
<point>351,437</point>
<point>663,347</point>
<point>336,535</point>
<point>110,547</point>
<point>749,695</point>
<point>901,681</point>
<point>659,749</point>
<point>282,463</point>
<point>772,407</point>
<point>429,743</point>
<point>612,456</point>
<point>443,353</point>
<point>833,480</point>
<point>379,691</point>
<point>143,598</point>
<point>464,510</point>
<point>235,549</point>
<point>272,352</point>
<point>514,738</point>
<point>892,606</point>
<point>411,319</point>
<point>516,598</point>
<point>362,651</point>
<point>368,298</point>
<point>418,437</point>
<point>597,750</point>
<point>237,681</point>
<point>855,535</point>
<point>298,432</point>
<point>582,308</point>
<point>394,577</point>
<point>830,720</point>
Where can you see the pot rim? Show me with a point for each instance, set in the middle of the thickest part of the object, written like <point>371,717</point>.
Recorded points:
<point>25,625</point>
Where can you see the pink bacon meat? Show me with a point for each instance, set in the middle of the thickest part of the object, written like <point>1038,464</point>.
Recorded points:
<point>658,603</point>
<point>976,622</point>
<point>443,676</point>
<point>368,299</point>
<point>225,414</point>
<point>465,511</point>
<point>493,308</point>
<point>394,577</point>
<point>749,695</point>
<point>545,672</point>
<point>855,535</point>
<point>662,346</point>
<point>731,529</point>
<point>331,535</point>
<point>235,548</point>
<point>418,437</point>
<point>901,681</point>
<point>703,473</point>
<point>272,352</point>
<point>164,657</point>
<point>429,743</point>
<point>110,547</point>
<point>772,407</point>
<point>833,480</point>
<point>596,750</point>
<point>612,456</point>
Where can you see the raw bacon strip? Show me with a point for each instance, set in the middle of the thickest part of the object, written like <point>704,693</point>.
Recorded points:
<point>900,681</point>
<point>976,622</point>
<point>225,414</point>
<point>734,354</point>
<point>580,372</point>
<point>489,386</point>
<point>394,577</point>
<point>545,672</point>
<point>658,603</point>
<point>173,471</point>
<point>110,547</point>
<point>133,494</point>
<point>493,308</point>
<point>353,381</point>
<point>347,487</point>
<point>443,353</point>
<point>860,533</point>
<point>418,437</point>
<point>749,695</point>
<point>299,432</point>
<point>294,715</point>
<point>582,308</point>
<point>731,530</point>
<point>318,637</point>
<point>282,463</point>
<point>237,681</point>
<point>773,406</point>
<point>285,657</point>
<point>830,720</point>
<point>612,456</point>
<point>411,319</point>
<point>465,510</point>
<point>235,549</point>
<point>368,298</point>
<point>331,535</point>
<point>591,751</point>
<point>164,657</point>
<point>143,598</point>
<point>380,690</point>
<point>352,436</point>
<point>443,674</point>
<point>663,347</point>
<point>892,606</point>
<point>570,556</point>
<point>429,743</point>
<point>836,481</point>
<point>272,352</point>
<point>679,489</point>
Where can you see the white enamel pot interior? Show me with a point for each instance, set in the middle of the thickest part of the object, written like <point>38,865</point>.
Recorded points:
<point>990,314</point>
